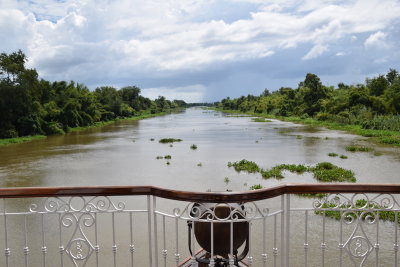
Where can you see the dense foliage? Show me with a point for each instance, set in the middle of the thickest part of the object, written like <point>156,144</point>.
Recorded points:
<point>373,105</point>
<point>30,106</point>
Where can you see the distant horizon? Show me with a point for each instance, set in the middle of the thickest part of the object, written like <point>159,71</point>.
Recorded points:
<point>204,51</point>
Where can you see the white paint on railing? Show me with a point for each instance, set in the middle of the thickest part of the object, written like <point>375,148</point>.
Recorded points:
<point>154,215</point>
<point>131,244</point>
<point>306,239</point>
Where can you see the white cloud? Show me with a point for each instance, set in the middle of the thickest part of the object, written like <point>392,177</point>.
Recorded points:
<point>376,40</point>
<point>112,40</point>
<point>315,52</point>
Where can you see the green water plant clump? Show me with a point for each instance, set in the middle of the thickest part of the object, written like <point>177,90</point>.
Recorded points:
<point>159,157</point>
<point>355,148</point>
<point>169,140</point>
<point>343,157</point>
<point>328,172</point>
<point>167,157</point>
<point>276,171</point>
<point>332,154</point>
<point>193,147</point>
<point>244,165</point>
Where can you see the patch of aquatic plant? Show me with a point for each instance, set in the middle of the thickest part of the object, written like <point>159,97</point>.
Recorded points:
<point>260,119</point>
<point>167,157</point>
<point>169,140</point>
<point>276,171</point>
<point>332,154</point>
<point>168,163</point>
<point>256,187</point>
<point>199,164</point>
<point>390,140</point>
<point>171,145</point>
<point>151,139</point>
<point>343,157</point>
<point>299,137</point>
<point>355,148</point>
<point>384,215</point>
<point>298,168</point>
<point>226,180</point>
<point>328,172</point>
<point>244,165</point>
<point>159,157</point>
<point>377,154</point>
<point>193,147</point>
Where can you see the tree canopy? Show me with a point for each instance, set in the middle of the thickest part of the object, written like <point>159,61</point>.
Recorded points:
<point>30,106</point>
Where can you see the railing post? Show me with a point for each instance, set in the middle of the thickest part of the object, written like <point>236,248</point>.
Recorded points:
<point>287,229</point>
<point>283,251</point>
<point>155,231</point>
<point>149,214</point>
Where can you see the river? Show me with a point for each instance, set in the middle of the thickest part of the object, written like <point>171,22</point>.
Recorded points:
<point>124,153</point>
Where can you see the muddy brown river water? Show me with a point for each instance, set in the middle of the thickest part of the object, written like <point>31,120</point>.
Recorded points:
<point>123,153</point>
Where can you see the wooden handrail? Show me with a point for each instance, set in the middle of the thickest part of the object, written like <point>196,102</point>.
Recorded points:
<point>24,192</point>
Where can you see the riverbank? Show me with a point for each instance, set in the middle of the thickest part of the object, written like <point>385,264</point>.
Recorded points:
<point>386,137</point>
<point>24,139</point>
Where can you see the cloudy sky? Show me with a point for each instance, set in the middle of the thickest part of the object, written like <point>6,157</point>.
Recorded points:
<point>203,50</point>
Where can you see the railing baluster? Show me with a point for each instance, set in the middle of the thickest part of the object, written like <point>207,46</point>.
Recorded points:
<point>376,246</point>
<point>131,246</point>
<point>194,262</point>
<point>114,246</point>
<point>154,209</point>
<point>323,244</point>
<point>149,230</point>
<point>306,239</point>
<point>212,263</point>
<point>283,249</point>
<point>396,245</point>
<point>231,257</point>
<point>341,245</point>
<point>7,251</point>
<point>250,257</point>
<point>164,251</point>
<point>177,256</point>
<point>287,251</point>
<point>96,247</point>
<point>275,248</point>
<point>44,248</point>
<point>264,254</point>
<point>61,247</point>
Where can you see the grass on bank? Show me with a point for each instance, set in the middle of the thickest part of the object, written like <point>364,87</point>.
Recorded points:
<point>388,137</point>
<point>18,140</point>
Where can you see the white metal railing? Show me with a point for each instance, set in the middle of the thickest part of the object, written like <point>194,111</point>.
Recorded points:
<point>147,228</point>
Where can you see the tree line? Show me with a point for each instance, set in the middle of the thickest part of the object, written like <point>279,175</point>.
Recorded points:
<point>31,106</point>
<point>374,104</point>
